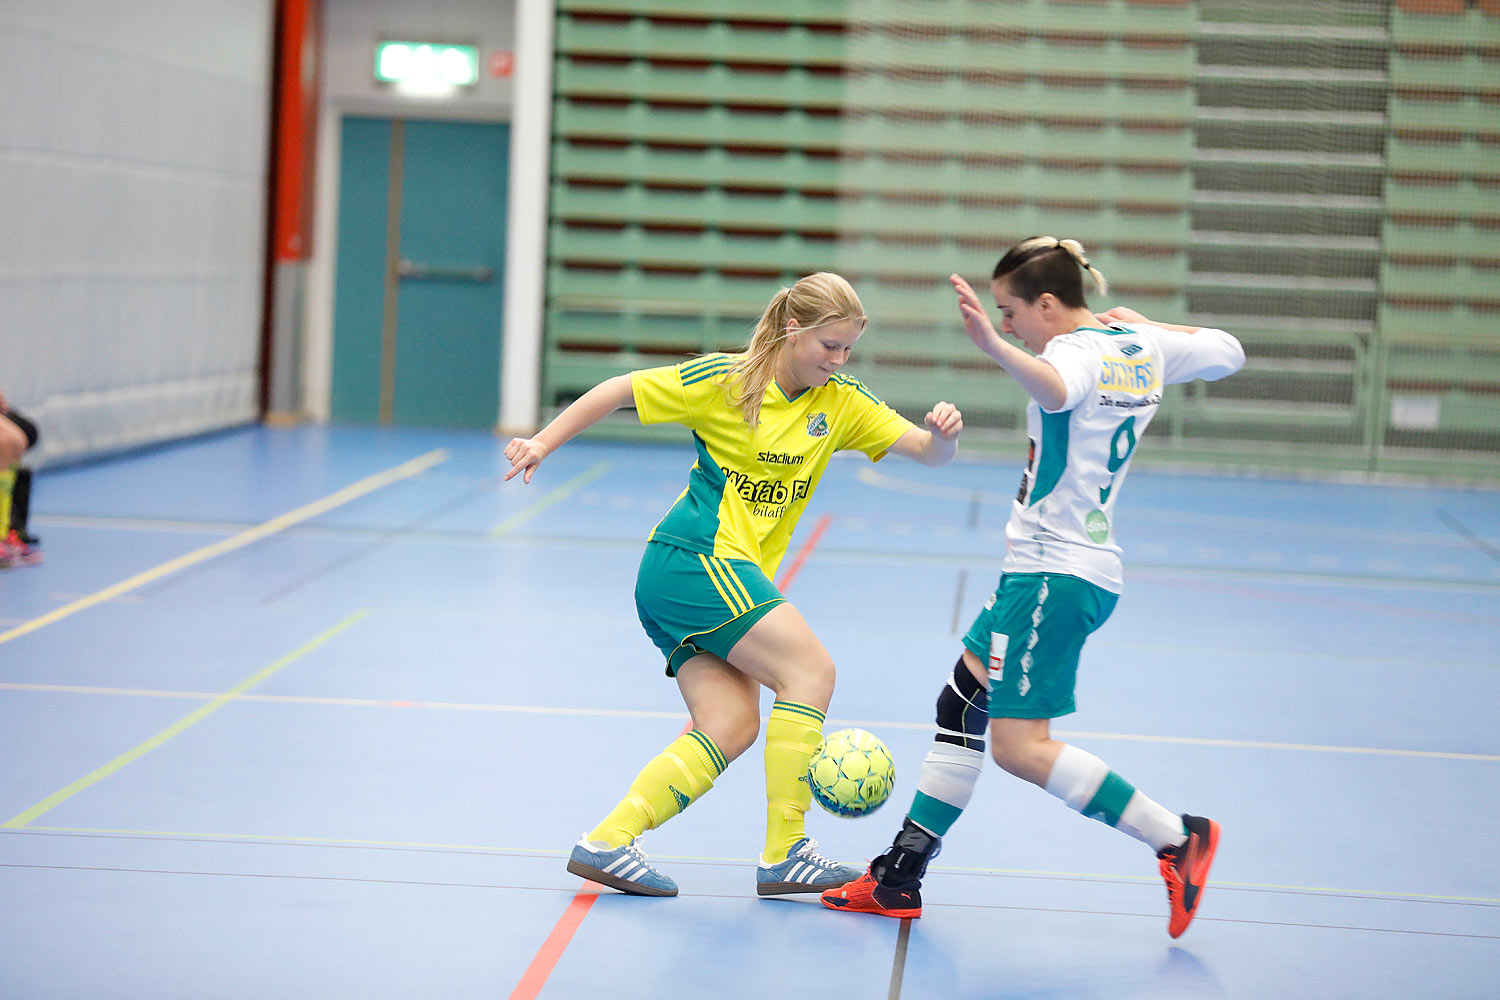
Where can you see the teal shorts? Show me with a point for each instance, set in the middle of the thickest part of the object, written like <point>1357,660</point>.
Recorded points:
<point>1029,635</point>
<point>691,603</point>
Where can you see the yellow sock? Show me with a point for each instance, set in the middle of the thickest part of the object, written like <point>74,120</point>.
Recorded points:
<point>7,485</point>
<point>675,778</point>
<point>792,736</point>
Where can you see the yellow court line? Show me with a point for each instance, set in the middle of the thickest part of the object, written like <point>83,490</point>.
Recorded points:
<point>187,721</point>
<point>525,514</point>
<point>621,713</point>
<point>539,852</point>
<point>351,492</point>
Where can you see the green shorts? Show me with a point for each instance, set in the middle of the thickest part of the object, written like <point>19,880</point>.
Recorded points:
<point>691,603</point>
<point>1029,635</point>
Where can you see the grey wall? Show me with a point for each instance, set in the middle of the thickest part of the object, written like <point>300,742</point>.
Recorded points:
<point>132,199</point>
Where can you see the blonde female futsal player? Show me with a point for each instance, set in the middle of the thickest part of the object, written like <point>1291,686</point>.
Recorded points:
<point>1095,383</point>
<point>765,423</point>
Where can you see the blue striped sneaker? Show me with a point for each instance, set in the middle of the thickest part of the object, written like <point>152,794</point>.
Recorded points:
<point>804,870</point>
<point>624,868</point>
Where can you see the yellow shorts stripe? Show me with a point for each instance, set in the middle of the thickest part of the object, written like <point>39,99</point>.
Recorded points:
<point>733,579</point>
<point>731,600</point>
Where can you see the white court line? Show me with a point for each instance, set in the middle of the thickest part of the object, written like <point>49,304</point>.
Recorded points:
<point>620,713</point>
<point>297,840</point>
<point>1444,539</point>
<point>279,523</point>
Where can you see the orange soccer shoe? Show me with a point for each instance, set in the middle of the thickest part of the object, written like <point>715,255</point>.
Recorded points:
<point>866,895</point>
<point>1185,870</point>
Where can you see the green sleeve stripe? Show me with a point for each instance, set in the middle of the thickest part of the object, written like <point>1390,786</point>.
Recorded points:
<point>706,359</point>
<point>707,373</point>
<point>859,386</point>
<point>693,367</point>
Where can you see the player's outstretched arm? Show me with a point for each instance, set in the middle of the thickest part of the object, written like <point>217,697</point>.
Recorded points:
<point>1038,378</point>
<point>935,444</point>
<point>526,454</point>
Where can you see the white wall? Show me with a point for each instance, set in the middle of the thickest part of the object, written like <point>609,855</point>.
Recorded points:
<point>132,199</point>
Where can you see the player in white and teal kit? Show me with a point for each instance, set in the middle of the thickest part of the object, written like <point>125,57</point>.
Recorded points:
<point>1095,382</point>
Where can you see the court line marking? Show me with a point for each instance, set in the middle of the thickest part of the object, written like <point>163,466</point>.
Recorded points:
<point>1139,566</point>
<point>898,965</point>
<point>790,573</point>
<point>186,722</point>
<point>568,488</point>
<point>585,904</point>
<point>284,840</point>
<point>279,523</point>
<point>535,976</point>
<point>625,713</point>
<point>942,491</point>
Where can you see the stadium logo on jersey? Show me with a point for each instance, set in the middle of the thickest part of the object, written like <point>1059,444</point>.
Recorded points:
<point>1130,350</point>
<point>817,425</point>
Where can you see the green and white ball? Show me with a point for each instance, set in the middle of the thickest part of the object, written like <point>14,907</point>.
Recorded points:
<point>852,773</point>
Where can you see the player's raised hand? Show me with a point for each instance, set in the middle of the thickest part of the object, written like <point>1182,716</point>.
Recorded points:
<point>525,454</point>
<point>976,321</point>
<point>945,421</point>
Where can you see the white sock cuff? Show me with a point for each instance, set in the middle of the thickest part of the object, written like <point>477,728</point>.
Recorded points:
<point>1076,775</point>
<point>947,753</point>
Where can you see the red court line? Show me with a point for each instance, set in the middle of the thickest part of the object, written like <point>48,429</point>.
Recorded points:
<point>551,950</point>
<point>791,571</point>
<point>547,956</point>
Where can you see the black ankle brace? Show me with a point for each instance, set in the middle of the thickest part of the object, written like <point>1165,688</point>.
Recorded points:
<point>906,861</point>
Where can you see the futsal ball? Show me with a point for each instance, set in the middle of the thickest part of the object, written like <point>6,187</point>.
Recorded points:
<point>851,774</point>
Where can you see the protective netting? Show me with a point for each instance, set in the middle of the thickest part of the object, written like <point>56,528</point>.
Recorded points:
<point>1320,179</point>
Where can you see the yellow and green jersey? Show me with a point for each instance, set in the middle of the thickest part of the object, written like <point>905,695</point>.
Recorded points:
<point>749,487</point>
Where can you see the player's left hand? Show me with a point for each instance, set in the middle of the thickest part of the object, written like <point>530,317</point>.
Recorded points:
<point>945,421</point>
<point>524,454</point>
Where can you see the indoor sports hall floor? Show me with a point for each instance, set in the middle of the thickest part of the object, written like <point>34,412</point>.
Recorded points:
<point>319,713</point>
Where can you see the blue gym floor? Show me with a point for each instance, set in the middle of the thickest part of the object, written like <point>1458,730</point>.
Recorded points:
<point>346,754</point>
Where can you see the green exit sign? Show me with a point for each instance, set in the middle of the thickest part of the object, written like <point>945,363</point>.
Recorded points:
<point>426,65</point>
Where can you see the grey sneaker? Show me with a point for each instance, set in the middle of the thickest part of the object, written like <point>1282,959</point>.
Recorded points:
<point>624,868</point>
<point>804,870</point>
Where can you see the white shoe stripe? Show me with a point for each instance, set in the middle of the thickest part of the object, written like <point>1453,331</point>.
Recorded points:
<point>623,861</point>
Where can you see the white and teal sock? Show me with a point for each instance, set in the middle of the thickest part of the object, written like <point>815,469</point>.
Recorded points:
<point>945,786</point>
<point>1088,786</point>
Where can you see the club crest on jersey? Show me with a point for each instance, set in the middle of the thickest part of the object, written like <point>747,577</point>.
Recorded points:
<point>817,425</point>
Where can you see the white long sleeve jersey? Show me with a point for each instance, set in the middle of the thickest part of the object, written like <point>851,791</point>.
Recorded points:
<point>1062,520</point>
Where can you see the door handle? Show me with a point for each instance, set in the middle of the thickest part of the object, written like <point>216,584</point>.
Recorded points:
<point>443,272</point>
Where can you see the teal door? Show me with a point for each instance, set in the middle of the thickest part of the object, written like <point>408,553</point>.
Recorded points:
<point>420,274</point>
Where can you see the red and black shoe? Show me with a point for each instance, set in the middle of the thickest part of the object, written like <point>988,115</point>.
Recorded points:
<point>1185,870</point>
<point>866,895</point>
